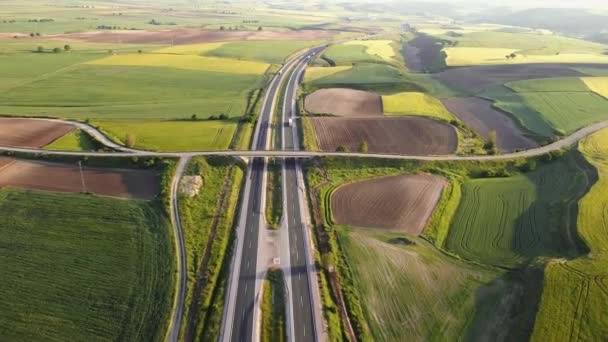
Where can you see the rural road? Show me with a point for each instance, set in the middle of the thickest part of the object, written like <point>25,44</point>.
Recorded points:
<point>565,142</point>
<point>180,295</point>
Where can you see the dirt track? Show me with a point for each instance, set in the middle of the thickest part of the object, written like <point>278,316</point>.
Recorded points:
<point>31,133</point>
<point>401,135</point>
<point>47,176</point>
<point>191,36</point>
<point>481,117</point>
<point>402,203</point>
<point>477,78</point>
<point>344,102</point>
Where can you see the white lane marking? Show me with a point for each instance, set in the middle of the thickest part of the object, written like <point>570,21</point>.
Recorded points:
<point>300,276</point>
<point>248,262</point>
<point>250,244</point>
<point>301,302</point>
<point>246,284</point>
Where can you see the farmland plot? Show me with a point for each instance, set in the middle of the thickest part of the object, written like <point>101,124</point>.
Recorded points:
<point>412,291</point>
<point>507,221</point>
<point>344,102</point>
<point>83,268</point>
<point>31,133</point>
<point>404,135</point>
<point>402,203</point>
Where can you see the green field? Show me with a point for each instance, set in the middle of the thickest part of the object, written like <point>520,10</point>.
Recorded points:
<point>172,135</point>
<point>575,294</point>
<point>91,91</point>
<point>76,140</point>
<point>207,221</point>
<point>266,51</point>
<point>550,106</point>
<point>413,288</point>
<point>413,103</point>
<point>491,47</point>
<point>509,221</point>
<point>80,267</point>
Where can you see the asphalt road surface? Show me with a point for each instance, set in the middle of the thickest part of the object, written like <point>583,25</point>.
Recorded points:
<point>242,320</point>
<point>301,297</point>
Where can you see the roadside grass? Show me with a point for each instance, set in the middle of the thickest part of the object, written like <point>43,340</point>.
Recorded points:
<point>509,221</point>
<point>187,62</point>
<point>274,194</point>
<point>413,288</point>
<point>273,307</point>
<point>598,85</point>
<point>575,294</point>
<point>265,51</point>
<point>92,91</point>
<point>382,48</point>
<point>190,49</point>
<point>76,140</point>
<point>198,215</point>
<point>81,267</point>
<point>171,135</point>
<point>308,136</point>
<point>414,103</point>
<point>552,112</point>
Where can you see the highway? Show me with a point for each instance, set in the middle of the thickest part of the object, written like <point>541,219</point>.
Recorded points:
<point>300,285</point>
<point>239,323</point>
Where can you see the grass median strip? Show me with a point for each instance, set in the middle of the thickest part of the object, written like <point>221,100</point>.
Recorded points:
<point>273,307</point>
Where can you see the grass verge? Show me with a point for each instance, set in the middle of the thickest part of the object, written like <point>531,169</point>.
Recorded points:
<point>273,307</point>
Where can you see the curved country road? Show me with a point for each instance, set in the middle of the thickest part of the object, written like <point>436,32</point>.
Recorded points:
<point>127,152</point>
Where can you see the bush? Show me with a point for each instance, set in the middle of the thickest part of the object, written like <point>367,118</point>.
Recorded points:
<point>342,148</point>
<point>56,50</point>
<point>363,147</point>
<point>130,140</point>
<point>223,117</point>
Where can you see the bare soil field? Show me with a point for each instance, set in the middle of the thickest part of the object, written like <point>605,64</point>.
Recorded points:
<point>424,53</point>
<point>30,133</point>
<point>477,78</point>
<point>404,203</point>
<point>37,175</point>
<point>191,36</point>
<point>344,102</point>
<point>479,115</point>
<point>399,135</point>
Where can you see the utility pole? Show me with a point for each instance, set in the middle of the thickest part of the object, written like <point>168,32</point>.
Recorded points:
<point>84,186</point>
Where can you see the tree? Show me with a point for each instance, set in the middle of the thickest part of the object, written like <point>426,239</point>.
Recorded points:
<point>513,55</point>
<point>260,28</point>
<point>111,51</point>
<point>363,148</point>
<point>222,28</point>
<point>130,139</point>
<point>490,146</point>
<point>139,51</point>
<point>193,117</point>
<point>37,33</point>
<point>223,117</point>
<point>40,49</point>
<point>56,50</point>
<point>66,47</point>
<point>32,34</point>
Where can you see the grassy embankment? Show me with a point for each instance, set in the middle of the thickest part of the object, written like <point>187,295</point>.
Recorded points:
<point>82,267</point>
<point>273,308</point>
<point>208,219</point>
<point>76,140</point>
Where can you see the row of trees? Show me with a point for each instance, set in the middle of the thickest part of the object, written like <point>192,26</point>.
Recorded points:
<point>363,148</point>
<point>66,47</point>
<point>236,28</point>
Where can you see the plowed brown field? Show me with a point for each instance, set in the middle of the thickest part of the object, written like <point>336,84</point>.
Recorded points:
<point>46,176</point>
<point>191,36</point>
<point>400,135</point>
<point>30,133</point>
<point>344,102</point>
<point>480,116</point>
<point>477,78</point>
<point>402,203</point>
